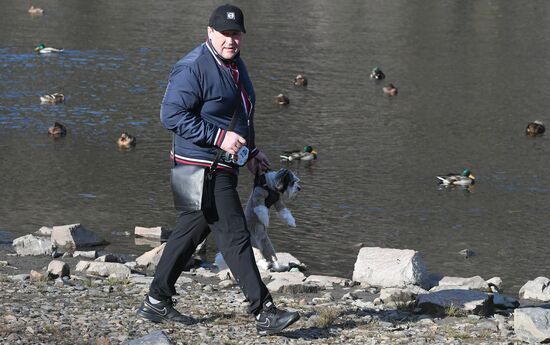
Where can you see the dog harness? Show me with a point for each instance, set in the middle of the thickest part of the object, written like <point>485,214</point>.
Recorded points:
<point>272,195</point>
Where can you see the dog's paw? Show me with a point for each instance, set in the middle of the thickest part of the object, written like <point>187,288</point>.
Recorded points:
<point>264,264</point>
<point>287,217</point>
<point>263,214</point>
<point>278,267</point>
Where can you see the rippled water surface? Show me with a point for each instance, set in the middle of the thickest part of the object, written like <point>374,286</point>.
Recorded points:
<point>470,75</point>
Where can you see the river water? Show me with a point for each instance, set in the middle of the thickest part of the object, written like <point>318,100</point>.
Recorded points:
<point>470,74</point>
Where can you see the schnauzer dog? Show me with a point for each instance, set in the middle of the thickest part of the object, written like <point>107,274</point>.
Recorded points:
<point>273,188</point>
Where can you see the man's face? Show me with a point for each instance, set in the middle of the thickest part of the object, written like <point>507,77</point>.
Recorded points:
<point>227,43</point>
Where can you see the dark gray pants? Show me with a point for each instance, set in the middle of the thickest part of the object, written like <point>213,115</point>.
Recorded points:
<point>232,239</point>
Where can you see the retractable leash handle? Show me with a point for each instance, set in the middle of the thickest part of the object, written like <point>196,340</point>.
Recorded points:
<point>214,164</point>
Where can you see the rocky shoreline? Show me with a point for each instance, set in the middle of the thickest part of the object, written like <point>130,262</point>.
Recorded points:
<point>61,300</point>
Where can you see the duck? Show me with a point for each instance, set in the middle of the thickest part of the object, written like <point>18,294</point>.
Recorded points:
<point>307,154</point>
<point>282,99</point>
<point>126,141</point>
<point>57,130</point>
<point>54,98</point>
<point>390,90</point>
<point>36,11</point>
<point>534,128</point>
<point>377,74</point>
<point>300,80</point>
<point>42,49</point>
<point>465,179</point>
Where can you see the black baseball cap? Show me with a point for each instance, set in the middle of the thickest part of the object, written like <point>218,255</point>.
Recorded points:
<point>227,17</point>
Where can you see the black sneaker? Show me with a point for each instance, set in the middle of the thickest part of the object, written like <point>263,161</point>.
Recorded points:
<point>163,312</point>
<point>272,320</point>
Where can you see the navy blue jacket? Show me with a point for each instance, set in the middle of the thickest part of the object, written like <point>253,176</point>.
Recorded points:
<point>200,99</point>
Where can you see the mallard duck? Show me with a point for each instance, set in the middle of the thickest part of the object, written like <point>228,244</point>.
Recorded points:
<point>465,179</point>
<point>36,11</point>
<point>126,141</point>
<point>307,154</point>
<point>42,49</point>
<point>300,80</point>
<point>377,74</point>
<point>282,99</point>
<point>390,90</point>
<point>53,98</point>
<point>534,128</point>
<point>57,130</point>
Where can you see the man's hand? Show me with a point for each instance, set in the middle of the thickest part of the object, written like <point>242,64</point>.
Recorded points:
<point>259,164</point>
<point>232,142</point>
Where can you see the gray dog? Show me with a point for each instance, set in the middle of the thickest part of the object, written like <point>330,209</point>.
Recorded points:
<point>273,188</point>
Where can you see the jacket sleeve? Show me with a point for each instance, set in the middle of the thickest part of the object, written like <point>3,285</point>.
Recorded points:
<point>180,109</point>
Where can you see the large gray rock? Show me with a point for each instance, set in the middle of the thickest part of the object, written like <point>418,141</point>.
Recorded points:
<point>400,296</point>
<point>104,269</point>
<point>154,338</point>
<point>387,267</point>
<point>532,324</point>
<point>461,301</point>
<point>327,280</point>
<point>472,283</point>
<point>58,268</point>
<point>538,289</point>
<point>155,232</point>
<point>75,236</point>
<point>151,258</point>
<point>284,279</point>
<point>33,245</point>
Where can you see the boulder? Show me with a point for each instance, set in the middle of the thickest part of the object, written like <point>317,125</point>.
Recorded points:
<point>75,236</point>
<point>461,301</point>
<point>387,267</point>
<point>150,259</point>
<point>532,324</point>
<point>155,232</point>
<point>472,283</point>
<point>327,280</point>
<point>400,296</point>
<point>537,289</point>
<point>282,279</point>
<point>33,245</point>
<point>104,269</point>
<point>58,268</point>
<point>154,338</point>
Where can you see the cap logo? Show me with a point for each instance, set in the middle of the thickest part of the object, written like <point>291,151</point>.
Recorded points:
<point>231,15</point>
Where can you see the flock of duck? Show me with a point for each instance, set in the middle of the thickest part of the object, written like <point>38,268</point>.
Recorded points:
<point>466,178</point>
<point>124,142</point>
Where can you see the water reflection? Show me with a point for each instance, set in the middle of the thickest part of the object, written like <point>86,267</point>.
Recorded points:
<point>471,75</point>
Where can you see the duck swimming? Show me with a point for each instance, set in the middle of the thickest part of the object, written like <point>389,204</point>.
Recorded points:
<point>36,11</point>
<point>126,141</point>
<point>307,154</point>
<point>300,80</point>
<point>390,90</point>
<point>534,128</point>
<point>57,130</point>
<point>42,49</point>
<point>54,98</point>
<point>282,99</point>
<point>377,74</point>
<point>465,179</point>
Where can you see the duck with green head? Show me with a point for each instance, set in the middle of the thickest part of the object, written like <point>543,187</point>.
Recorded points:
<point>42,49</point>
<point>307,154</point>
<point>377,74</point>
<point>465,179</point>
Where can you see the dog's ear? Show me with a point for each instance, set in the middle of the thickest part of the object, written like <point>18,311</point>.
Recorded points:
<point>284,178</point>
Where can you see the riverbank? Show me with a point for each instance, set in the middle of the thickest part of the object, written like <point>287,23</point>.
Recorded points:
<point>94,310</point>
